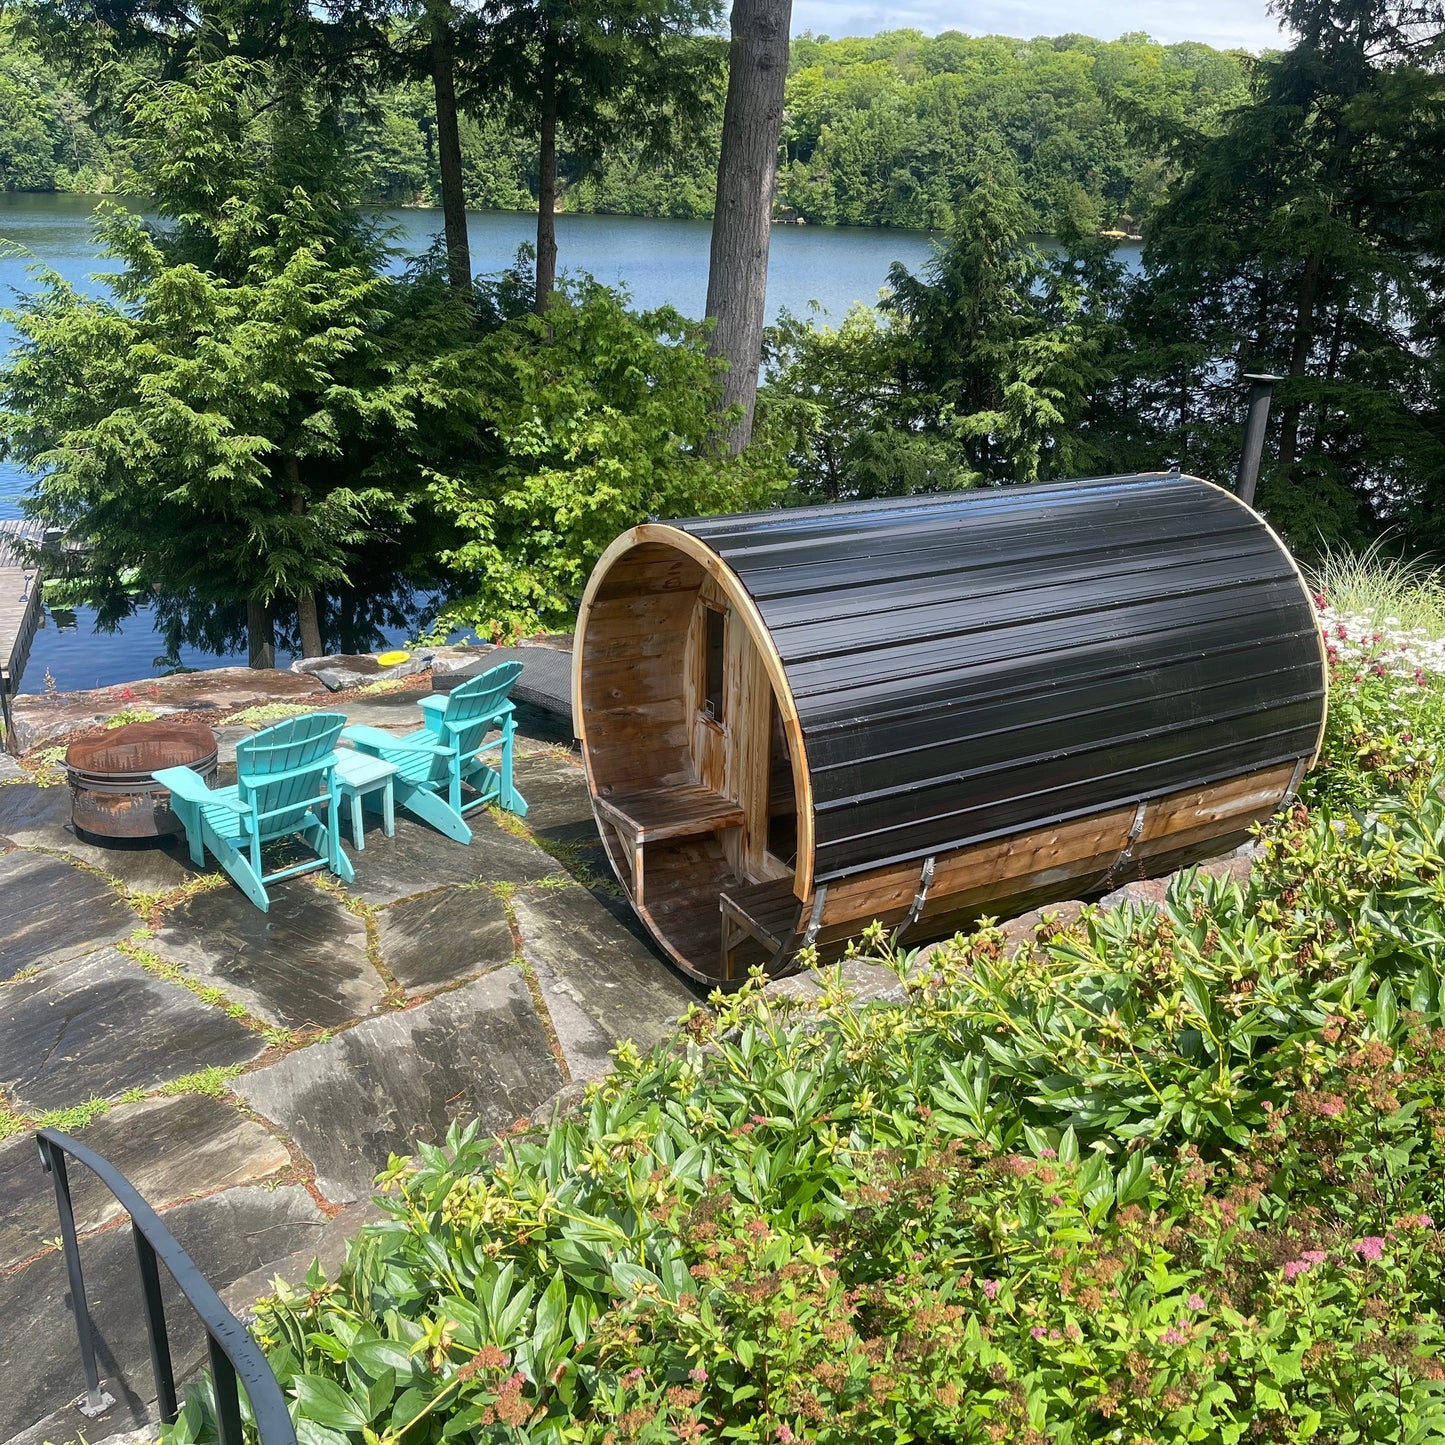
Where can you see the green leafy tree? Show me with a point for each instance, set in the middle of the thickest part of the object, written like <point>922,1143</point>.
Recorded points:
<point>593,72</point>
<point>230,423</point>
<point>554,434</point>
<point>987,367</point>
<point>1305,239</point>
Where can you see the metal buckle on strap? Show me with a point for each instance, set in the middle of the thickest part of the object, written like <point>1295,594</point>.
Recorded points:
<point>925,882</point>
<point>1293,786</point>
<point>1126,852</point>
<point>815,919</point>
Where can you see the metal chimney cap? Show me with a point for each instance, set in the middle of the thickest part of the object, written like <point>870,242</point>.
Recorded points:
<point>1260,376</point>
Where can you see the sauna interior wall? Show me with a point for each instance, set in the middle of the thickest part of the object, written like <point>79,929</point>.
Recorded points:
<point>643,689</point>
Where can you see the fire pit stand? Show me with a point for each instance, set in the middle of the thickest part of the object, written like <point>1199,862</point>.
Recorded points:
<point>113,795</point>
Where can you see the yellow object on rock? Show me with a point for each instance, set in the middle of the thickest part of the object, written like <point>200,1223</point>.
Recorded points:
<point>393,659</point>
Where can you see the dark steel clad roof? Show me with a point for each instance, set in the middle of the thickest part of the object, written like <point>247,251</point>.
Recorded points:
<point>972,664</point>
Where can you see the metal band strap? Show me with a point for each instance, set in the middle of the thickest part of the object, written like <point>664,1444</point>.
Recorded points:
<point>1135,829</point>
<point>1289,792</point>
<point>925,882</point>
<point>815,920</point>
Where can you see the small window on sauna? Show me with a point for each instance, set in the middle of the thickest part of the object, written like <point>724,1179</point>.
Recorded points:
<point>713,643</point>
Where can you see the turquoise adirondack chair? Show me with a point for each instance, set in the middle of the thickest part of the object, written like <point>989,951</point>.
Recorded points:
<point>449,752</point>
<point>283,776</point>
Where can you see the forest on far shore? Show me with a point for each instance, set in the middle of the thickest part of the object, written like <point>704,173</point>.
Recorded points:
<point>878,131</point>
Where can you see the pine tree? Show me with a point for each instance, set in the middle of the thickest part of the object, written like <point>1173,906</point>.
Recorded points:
<point>232,423</point>
<point>1305,239</point>
<point>592,72</point>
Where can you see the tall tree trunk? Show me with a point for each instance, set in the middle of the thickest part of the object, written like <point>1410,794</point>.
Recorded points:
<point>308,623</point>
<point>260,634</point>
<point>547,185</point>
<point>1304,337</point>
<point>449,146</point>
<point>737,279</point>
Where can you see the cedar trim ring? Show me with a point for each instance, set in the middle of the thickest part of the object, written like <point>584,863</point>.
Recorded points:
<point>1309,598</point>
<point>745,608</point>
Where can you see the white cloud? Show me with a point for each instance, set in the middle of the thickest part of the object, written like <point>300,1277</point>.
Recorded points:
<point>1224,23</point>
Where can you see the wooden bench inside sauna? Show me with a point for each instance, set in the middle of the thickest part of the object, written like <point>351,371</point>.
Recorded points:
<point>927,709</point>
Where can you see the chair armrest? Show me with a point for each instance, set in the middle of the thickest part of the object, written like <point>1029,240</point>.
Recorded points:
<point>433,713</point>
<point>190,785</point>
<point>493,720</point>
<point>373,740</point>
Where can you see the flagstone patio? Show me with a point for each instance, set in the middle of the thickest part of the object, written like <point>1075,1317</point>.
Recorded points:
<point>252,1072</point>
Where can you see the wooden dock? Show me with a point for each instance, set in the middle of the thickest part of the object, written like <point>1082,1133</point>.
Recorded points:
<point>20,603</point>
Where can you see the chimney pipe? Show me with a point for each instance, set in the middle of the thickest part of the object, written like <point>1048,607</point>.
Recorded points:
<point>1261,386</point>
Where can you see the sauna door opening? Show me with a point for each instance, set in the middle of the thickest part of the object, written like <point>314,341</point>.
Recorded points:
<point>736,739</point>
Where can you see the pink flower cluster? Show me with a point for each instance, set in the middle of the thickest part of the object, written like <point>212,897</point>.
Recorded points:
<point>1359,644</point>
<point>1308,1257</point>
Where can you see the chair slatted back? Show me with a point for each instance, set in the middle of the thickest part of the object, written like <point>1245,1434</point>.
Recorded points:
<point>282,771</point>
<point>473,705</point>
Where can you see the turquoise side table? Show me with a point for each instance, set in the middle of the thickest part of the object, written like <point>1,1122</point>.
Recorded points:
<point>357,774</point>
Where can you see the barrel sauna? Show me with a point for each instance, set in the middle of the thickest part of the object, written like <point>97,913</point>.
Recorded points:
<point>927,709</point>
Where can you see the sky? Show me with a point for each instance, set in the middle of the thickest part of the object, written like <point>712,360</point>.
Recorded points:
<point>1223,23</point>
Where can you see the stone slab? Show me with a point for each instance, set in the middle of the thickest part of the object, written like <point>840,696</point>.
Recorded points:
<point>341,670</point>
<point>600,984</point>
<point>559,806</point>
<point>328,1249</point>
<point>381,1087</point>
<point>51,910</point>
<point>226,1235</point>
<point>40,818</point>
<point>444,937</point>
<point>1144,894</point>
<point>302,964</point>
<point>872,982</point>
<point>101,1025</point>
<point>170,1149</point>
<point>226,739</point>
<point>40,717</point>
<point>123,1423</point>
<point>10,770</point>
<point>799,988</point>
<point>420,859</point>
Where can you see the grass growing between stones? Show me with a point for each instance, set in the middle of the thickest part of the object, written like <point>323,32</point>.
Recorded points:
<point>210,1081</point>
<point>370,916</point>
<point>68,1120</point>
<point>134,949</point>
<point>151,906</point>
<point>259,714</point>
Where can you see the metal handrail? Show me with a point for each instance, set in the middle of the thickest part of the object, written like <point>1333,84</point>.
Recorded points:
<point>233,1353</point>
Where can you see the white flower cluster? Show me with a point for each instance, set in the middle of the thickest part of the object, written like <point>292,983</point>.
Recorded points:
<point>1384,648</point>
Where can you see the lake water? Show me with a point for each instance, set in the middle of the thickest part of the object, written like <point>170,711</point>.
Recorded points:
<point>658,262</point>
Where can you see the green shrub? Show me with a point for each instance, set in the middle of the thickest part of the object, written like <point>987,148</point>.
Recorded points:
<point>1167,1176</point>
<point>1164,1175</point>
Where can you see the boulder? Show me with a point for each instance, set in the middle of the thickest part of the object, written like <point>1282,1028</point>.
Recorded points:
<point>341,670</point>
<point>44,720</point>
<point>446,660</point>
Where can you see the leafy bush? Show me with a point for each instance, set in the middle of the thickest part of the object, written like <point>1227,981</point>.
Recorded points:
<point>1165,1174</point>
<point>1168,1176</point>
<point>1386,719</point>
<point>560,432</point>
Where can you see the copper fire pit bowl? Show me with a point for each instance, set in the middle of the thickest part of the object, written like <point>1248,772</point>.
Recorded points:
<point>112,792</point>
